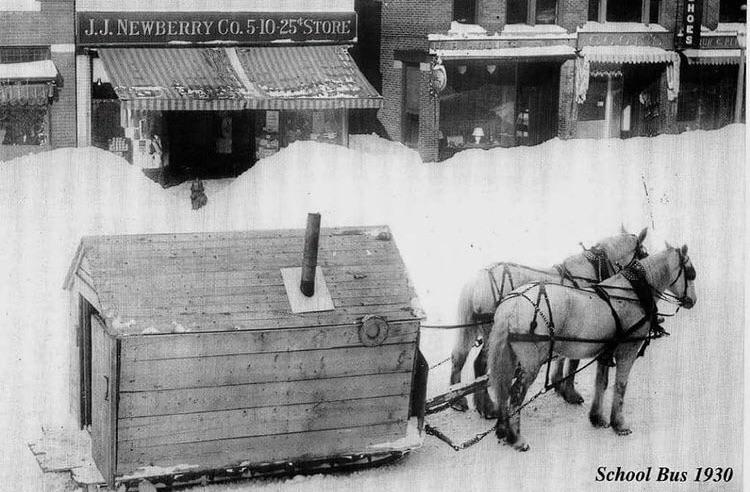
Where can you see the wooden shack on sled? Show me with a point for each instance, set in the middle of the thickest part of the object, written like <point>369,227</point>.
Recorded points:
<point>197,351</point>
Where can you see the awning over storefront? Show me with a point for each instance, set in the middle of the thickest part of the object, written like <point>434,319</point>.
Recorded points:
<point>288,77</point>
<point>306,77</point>
<point>174,78</point>
<point>604,57</point>
<point>713,57</point>
<point>554,51</point>
<point>28,71</point>
<point>627,54</point>
<point>29,94</point>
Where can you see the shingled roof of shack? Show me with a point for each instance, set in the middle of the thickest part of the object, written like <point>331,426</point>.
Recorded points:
<point>225,281</point>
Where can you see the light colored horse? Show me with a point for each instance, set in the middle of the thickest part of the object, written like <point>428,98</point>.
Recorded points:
<point>581,320</point>
<point>481,295</point>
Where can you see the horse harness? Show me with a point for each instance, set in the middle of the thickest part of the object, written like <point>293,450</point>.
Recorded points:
<point>636,275</point>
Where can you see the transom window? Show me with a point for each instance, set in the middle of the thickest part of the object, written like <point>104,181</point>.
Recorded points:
<point>641,11</point>
<point>531,12</point>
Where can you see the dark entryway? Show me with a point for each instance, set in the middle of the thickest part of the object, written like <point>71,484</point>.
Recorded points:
<point>208,144</point>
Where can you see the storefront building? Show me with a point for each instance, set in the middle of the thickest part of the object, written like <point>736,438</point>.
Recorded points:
<point>37,76</point>
<point>461,74</point>
<point>208,89</point>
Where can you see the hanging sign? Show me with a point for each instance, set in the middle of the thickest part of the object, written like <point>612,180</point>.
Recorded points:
<point>689,34</point>
<point>163,28</point>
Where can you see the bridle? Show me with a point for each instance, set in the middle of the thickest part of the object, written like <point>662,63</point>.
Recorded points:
<point>639,253</point>
<point>688,272</point>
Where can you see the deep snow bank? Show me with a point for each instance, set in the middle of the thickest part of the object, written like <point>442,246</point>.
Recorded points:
<point>528,204</point>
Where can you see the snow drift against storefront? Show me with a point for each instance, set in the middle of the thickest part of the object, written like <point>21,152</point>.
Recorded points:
<point>527,204</point>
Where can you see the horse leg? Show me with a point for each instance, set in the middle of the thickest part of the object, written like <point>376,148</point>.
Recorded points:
<point>602,379</point>
<point>460,352</point>
<point>503,365</point>
<point>567,387</point>
<point>524,377</point>
<point>482,400</point>
<point>625,358</point>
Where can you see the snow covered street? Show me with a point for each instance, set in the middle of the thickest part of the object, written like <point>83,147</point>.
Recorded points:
<point>531,205</point>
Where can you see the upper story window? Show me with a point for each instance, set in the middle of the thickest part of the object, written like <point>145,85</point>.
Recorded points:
<point>641,11</point>
<point>20,54</point>
<point>531,12</point>
<point>465,11</point>
<point>733,11</point>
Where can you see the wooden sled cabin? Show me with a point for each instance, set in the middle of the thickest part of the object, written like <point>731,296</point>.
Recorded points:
<point>199,352</point>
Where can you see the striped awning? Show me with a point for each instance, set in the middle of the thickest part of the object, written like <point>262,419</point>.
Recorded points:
<point>199,79</point>
<point>713,57</point>
<point>627,54</point>
<point>288,77</point>
<point>306,77</point>
<point>25,94</point>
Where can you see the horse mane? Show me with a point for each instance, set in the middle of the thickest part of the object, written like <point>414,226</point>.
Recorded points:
<point>617,247</point>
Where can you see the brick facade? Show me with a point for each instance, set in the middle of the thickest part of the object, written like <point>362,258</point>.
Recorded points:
<point>52,26</point>
<point>407,24</point>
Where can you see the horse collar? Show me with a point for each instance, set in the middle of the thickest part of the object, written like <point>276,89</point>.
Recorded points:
<point>635,273</point>
<point>598,259</point>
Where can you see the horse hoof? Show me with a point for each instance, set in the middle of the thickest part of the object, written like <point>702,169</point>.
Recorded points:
<point>574,398</point>
<point>598,421</point>
<point>460,405</point>
<point>501,434</point>
<point>623,431</point>
<point>521,446</point>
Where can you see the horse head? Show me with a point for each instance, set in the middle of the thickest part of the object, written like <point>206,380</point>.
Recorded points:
<point>623,248</point>
<point>682,271</point>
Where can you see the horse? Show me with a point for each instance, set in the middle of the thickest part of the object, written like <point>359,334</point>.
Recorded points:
<point>617,315</point>
<point>480,296</point>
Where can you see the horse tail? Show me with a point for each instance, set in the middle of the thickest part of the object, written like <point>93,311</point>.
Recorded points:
<point>502,359</point>
<point>467,335</point>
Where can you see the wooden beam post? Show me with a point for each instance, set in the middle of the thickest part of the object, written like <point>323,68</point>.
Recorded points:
<point>310,254</point>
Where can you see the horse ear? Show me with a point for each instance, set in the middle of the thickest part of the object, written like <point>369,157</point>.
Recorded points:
<point>622,228</point>
<point>669,246</point>
<point>642,234</point>
<point>684,249</point>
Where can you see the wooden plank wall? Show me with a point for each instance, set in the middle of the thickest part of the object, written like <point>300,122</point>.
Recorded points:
<point>218,399</point>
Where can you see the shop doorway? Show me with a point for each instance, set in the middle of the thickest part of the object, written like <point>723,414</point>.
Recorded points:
<point>641,101</point>
<point>208,144</point>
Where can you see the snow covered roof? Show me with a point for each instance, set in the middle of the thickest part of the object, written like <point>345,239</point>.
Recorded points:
<point>627,54</point>
<point>523,52</point>
<point>36,70</point>
<point>225,281</point>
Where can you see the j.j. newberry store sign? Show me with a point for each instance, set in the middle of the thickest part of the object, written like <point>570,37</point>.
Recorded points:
<point>159,28</point>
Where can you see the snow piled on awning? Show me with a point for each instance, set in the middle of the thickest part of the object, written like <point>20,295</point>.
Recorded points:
<point>36,70</point>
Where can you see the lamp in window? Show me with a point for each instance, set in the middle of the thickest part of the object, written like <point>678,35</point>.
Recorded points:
<point>478,134</point>
<point>491,69</point>
<point>462,69</point>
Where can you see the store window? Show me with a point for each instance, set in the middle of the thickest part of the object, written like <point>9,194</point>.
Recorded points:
<point>465,11</point>
<point>641,11</point>
<point>21,125</point>
<point>733,11</point>
<point>411,105</point>
<point>531,12</point>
